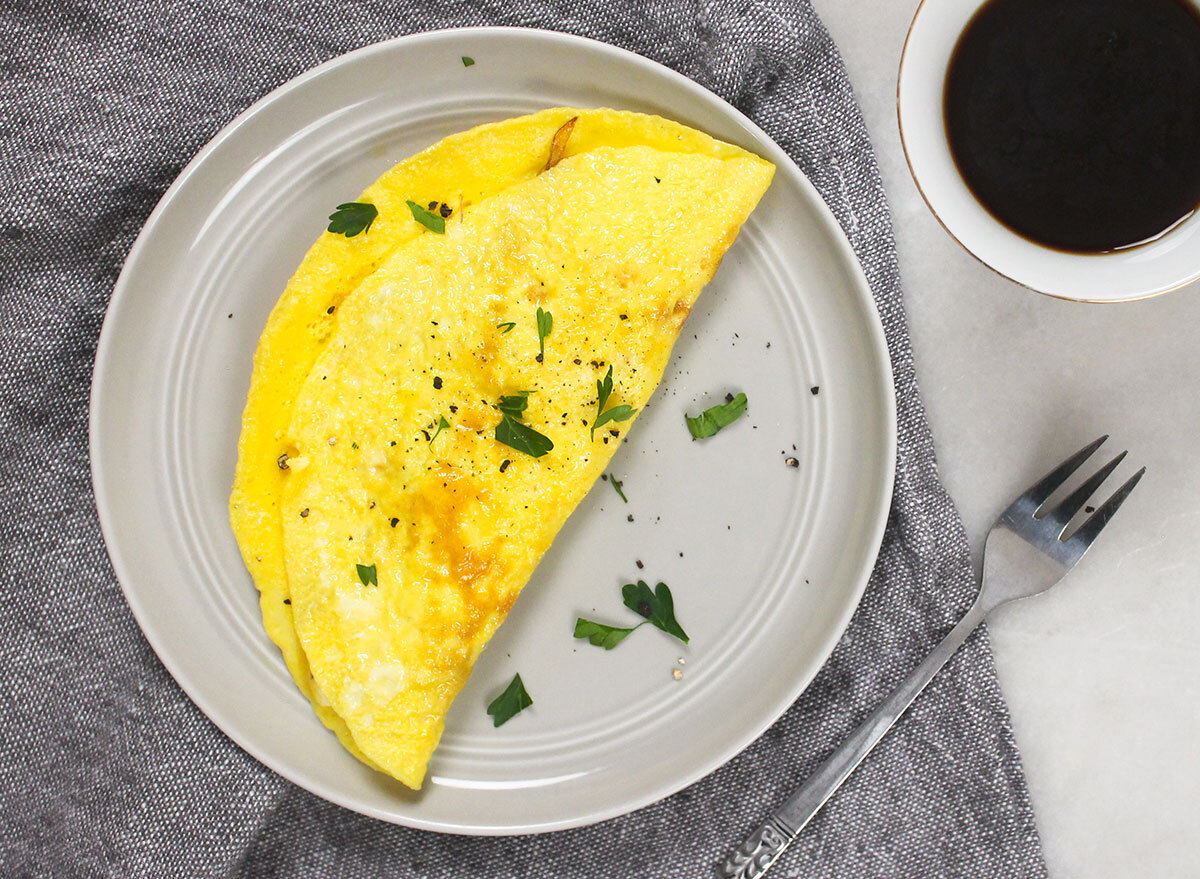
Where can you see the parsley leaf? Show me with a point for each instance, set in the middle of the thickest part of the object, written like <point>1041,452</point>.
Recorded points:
<point>505,326</point>
<point>522,437</point>
<point>601,635</point>
<point>512,701</point>
<point>514,404</point>
<point>656,606</point>
<point>468,61</point>
<point>545,322</point>
<point>442,425</point>
<point>431,221</point>
<point>367,574</point>
<point>617,487</point>
<point>604,390</point>
<point>352,218</point>
<point>711,420</point>
<point>616,413</point>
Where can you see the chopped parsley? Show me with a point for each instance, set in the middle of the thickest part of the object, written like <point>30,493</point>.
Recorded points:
<point>468,61</point>
<point>441,425</point>
<point>654,605</point>
<point>711,420</point>
<point>601,635</point>
<point>545,323</point>
<point>352,218</point>
<point>515,404</point>
<point>367,574</point>
<point>616,484</point>
<point>427,218</point>
<point>510,703</point>
<point>522,437</point>
<point>505,326</point>
<point>604,390</point>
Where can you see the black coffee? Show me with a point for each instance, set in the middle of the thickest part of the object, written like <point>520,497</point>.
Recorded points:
<point>1077,122</point>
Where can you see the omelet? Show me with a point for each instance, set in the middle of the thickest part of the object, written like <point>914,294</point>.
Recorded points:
<point>378,379</point>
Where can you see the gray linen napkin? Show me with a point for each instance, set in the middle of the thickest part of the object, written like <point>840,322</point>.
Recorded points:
<point>106,768</point>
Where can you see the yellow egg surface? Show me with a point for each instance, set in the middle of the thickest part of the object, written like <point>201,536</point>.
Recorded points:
<point>615,242</point>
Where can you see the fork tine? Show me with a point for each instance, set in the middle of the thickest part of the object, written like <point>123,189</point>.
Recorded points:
<point>1087,532</point>
<point>1060,474</point>
<point>1074,502</point>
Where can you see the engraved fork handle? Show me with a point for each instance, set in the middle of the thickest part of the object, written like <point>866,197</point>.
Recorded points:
<point>769,840</point>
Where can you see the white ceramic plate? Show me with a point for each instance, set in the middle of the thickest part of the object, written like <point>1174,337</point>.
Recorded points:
<point>766,562</point>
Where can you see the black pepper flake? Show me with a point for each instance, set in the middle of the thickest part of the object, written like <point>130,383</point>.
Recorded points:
<point>792,462</point>
<point>577,361</point>
<point>1089,509</point>
<point>437,382</point>
<point>624,317</point>
<point>282,461</point>
<point>816,389</point>
<point>330,309</point>
<point>445,210</point>
<point>639,564</point>
<point>433,205</point>
<point>453,408</point>
<point>504,465</point>
<point>304,513</point>
<point>729,398</point>
<point>604,477</point>
<point>287,601</point>
<point>538,358</point>
<point>645,609</point>
<point>428,438</point>
<point>615,432</point>
<point>629,518</point>
<point>229,315</point>
<point>393,522</point>
<point>392,443</point>
<point>656,180</point>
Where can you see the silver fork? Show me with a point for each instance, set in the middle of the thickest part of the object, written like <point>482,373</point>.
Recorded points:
<point>1027,552</point>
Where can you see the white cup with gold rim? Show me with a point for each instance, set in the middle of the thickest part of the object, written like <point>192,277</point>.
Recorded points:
<point>1165,263</point>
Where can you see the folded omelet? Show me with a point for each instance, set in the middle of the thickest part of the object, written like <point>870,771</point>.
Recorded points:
<point>378,378</point>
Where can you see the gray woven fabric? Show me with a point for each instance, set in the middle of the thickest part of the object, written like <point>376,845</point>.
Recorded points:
<point>106,769</point>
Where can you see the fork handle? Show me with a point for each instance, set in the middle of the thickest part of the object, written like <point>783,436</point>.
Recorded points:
<point>769,840</point>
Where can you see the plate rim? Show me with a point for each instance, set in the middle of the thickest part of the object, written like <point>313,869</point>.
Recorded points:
<point>107,516</point>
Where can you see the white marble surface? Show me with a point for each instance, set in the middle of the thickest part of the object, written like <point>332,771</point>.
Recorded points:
<point>1100,674</point>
